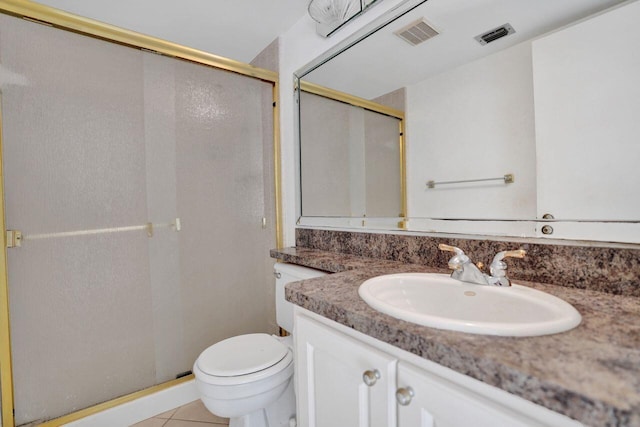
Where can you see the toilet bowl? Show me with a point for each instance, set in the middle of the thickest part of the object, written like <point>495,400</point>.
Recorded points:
<point>249,378</point>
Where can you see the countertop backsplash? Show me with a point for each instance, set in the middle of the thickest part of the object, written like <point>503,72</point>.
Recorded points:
<point>605,269</point>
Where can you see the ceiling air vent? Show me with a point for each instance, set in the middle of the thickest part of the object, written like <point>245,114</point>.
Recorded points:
<point>416,32</point>
<point>495,34</point>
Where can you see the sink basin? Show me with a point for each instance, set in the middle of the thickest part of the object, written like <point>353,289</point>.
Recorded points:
<point>438,301</point>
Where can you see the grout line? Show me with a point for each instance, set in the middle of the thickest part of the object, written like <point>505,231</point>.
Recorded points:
<point>172,418</point>
<point>213,423</point>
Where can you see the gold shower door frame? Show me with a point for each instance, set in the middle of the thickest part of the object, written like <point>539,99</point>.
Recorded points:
<point>88,27</point>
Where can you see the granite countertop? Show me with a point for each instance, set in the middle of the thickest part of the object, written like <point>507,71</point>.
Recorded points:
<point>591,373</point>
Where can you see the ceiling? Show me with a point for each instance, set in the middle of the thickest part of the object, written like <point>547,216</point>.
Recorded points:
<point>383,62</point>
<point>241,29</point>
<point>235,29</point>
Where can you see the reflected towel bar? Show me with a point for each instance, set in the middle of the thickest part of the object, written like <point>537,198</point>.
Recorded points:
<point>508,179</point>
<point>15,237</point>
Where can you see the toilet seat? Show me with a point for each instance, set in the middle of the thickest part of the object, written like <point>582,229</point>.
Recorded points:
<point>243,359</point>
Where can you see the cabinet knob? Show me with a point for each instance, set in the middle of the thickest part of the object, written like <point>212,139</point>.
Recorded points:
<point>371,377</point>
<point>547,229</point>
<point>404,395</point>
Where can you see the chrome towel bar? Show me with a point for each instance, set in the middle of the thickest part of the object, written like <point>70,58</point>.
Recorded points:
<point>16,237</point>
<point>507,179</point>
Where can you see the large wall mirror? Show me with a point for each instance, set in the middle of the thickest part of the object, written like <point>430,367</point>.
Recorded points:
<point>491,117</point>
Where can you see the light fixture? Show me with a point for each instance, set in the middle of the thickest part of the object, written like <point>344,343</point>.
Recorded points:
<point>332,14</point>
<point>329,12</point>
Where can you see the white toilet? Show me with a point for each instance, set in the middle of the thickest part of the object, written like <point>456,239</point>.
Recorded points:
<point>248,378</point>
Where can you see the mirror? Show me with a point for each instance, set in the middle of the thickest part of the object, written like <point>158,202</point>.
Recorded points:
<point>350,160</point>
<point>528,135</point>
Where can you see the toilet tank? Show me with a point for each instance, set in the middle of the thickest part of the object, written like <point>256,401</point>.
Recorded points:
<point>287,273</point>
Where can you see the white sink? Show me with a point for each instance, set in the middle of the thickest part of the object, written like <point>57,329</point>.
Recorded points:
<point>438,301</point>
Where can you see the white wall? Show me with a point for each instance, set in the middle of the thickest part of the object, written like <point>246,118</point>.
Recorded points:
<point>475,121</point>
<point>589,61</point>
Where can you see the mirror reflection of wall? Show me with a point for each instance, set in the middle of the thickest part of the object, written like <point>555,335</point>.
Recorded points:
<point>475,121</point>
<point>350,159</point>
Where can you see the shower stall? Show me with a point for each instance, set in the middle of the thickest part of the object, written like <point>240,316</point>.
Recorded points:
<point>140,207</point>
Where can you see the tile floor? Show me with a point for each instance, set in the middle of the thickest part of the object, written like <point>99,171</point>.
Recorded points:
<point>193,414</point>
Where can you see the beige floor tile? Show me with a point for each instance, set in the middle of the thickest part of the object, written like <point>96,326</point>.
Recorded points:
<point>166,415</point>
<point>195,411</point>
<point>151,422</point>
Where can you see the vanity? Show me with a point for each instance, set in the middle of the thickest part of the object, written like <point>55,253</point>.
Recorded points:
<point>521,144</point>
<point>359,367</point>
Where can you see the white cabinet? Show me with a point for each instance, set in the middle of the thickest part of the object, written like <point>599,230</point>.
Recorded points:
<point>435,402</point>
<point>334,362</point>
<point>331,373</point>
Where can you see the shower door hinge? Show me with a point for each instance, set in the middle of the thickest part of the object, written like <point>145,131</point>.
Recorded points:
<point>14,238</point>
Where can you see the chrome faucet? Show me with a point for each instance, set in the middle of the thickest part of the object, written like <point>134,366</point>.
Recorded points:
<point>465,271</point>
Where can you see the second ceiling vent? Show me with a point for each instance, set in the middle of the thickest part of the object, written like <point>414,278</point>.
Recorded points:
<point>495,34</point>
<point>417,32</point>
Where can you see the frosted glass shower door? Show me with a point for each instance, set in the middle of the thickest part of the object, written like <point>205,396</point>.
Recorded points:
<point>350,160</point>
<point>224,140</point>
<point>74,157</point>
<point>382,159</point>
<point>101,140</point>
<point>210,162</point>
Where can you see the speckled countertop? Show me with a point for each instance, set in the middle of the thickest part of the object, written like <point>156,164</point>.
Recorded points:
<point>591,373</point>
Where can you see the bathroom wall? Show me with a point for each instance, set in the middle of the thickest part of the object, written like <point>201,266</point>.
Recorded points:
<point>269,57</point>
<point>396,99</point>
<point>475,121</point>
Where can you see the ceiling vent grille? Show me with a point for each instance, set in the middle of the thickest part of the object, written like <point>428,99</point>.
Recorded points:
<point>495,34</point>
<point>417,32</point>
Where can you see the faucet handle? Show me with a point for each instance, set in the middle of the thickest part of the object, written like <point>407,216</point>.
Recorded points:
<point>458,260</point>
<point>518,253</point>
<point>497,260</point>
<point>449,248</point>
<point>498,267</point>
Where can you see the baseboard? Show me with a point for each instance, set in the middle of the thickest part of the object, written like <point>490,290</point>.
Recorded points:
<point>140,409</point>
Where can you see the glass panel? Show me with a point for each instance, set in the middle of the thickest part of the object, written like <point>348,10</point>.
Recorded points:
<point>219,152</point>
<point>325,156</point>
<point>382,163</point>
<point>160,147</point>
<point>350,160</point>
<point>73,150</point>
<point>100,136</point>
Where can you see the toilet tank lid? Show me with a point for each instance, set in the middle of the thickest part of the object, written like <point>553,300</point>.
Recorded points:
<point>241,355</point>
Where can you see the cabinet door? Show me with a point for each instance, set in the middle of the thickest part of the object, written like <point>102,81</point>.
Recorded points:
<point>331,390</point>
<point>437,402</point>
